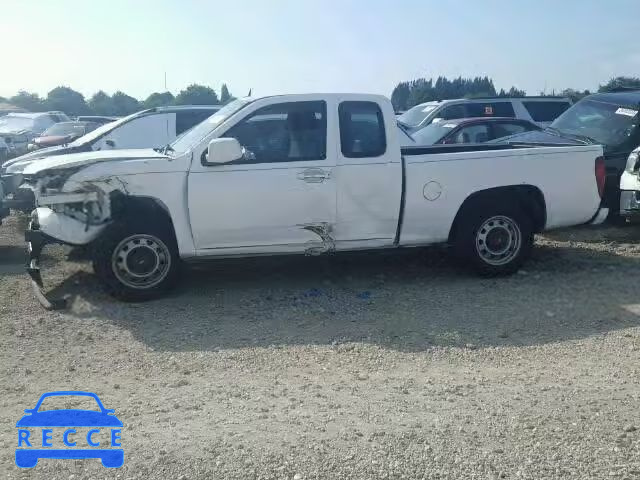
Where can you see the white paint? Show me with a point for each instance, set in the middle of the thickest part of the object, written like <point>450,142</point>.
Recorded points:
<point>66,229</point>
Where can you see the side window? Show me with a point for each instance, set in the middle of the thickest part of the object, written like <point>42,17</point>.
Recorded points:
<point>284,132</point>
<point>473,134</point>
<point>492,109</point>
<point>362,132</point>
<point>452,112</point>
<point>190,118</point>
<point>504,129</point>
<point>545,111</point>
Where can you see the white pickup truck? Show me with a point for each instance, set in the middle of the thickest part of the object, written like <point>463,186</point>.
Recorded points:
<point>303,174</point>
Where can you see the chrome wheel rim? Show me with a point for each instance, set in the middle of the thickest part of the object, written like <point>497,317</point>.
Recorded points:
<point>141,261</point>
<point>498,240</point>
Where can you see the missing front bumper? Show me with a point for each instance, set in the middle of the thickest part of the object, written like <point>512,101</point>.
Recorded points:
<point>36,241</point>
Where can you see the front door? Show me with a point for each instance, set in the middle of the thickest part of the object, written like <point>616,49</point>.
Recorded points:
<point>277,199</point>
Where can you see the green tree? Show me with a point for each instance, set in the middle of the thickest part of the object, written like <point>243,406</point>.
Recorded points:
<point>29,101</point>
<point>124,104</point>
<point>101,104</point>
<point>66,100</point>
<point>158,99</point>
<point>225,96</point>
<point>575,95</point>
<point>620,82</point>
<point>197,95</point>
<point>400,96</point>
<point>408,94</point>
<point>512,92</point>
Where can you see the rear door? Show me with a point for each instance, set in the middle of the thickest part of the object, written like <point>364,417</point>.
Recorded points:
<point>281,197</point>
<point>369,176</point>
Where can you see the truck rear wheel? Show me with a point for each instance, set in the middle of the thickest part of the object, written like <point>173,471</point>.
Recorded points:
<point>136,263</point>
<point>494,242</point>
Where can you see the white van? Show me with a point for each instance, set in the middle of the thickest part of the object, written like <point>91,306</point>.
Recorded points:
<point>540,110</point>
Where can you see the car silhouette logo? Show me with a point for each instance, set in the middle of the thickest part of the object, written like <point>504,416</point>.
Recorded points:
<point>37,429</point>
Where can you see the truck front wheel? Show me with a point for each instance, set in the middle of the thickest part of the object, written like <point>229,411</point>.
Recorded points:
<point>136,263</point>
<point>494,242</point>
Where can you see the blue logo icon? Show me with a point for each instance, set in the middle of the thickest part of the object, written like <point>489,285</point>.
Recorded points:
<point>84,433</point>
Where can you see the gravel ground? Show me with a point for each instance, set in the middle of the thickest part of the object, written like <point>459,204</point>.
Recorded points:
<point>384,365</point>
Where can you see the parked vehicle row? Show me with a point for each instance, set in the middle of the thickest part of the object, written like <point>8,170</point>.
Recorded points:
<point>471,130</point>
<point>19,129</point>
<point>539,110</point>
<point>303,174</point>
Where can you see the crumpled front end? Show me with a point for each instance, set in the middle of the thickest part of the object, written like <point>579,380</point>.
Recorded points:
<point>61,217</point>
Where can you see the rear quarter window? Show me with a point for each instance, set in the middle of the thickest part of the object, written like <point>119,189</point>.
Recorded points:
<point>545,111</point>
<point>362,132</point>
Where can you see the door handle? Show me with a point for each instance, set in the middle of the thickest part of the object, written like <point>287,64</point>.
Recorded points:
<point>314,175</point>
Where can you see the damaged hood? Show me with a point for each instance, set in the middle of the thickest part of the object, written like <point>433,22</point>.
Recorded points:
<point>75,160</point>
<point>18,164</point>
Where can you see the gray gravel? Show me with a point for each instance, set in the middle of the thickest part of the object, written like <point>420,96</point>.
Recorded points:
<point>383,365</point>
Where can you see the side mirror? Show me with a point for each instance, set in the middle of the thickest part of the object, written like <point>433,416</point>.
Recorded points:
<point>29,410</point>
<point>223,150</point>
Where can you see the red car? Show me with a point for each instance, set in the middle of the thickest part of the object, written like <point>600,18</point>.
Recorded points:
<point>62,133</point>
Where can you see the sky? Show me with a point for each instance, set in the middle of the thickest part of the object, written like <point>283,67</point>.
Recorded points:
<point>296,46</point>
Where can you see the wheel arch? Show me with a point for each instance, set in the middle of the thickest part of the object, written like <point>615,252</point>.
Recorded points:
<point>528,197</point>
<point>133,208</point>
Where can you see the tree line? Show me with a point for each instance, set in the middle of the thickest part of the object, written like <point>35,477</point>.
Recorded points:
<point>73,103</point>
<point>405,95</point>
<point>408,94</point>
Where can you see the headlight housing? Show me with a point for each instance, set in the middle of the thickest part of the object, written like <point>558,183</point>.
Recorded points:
<point>633,162</point>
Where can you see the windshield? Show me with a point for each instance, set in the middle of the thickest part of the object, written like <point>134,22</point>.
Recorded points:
<point>197,133</point>
<point>606,123</point>
<point>103,129</point>
<point>432,133</point>
<point>416,115</point>
<point>65,128</point>
<point>9,123</point>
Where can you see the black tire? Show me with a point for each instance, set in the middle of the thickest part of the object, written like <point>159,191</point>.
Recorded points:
<point>115,269</point>
<point>475,248</point>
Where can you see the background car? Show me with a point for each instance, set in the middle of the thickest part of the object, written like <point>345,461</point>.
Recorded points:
<point>19,129</point>
<point>540,110</point>
<point>471,130</point>
<point>62,133</point>
<point>100,119</point>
